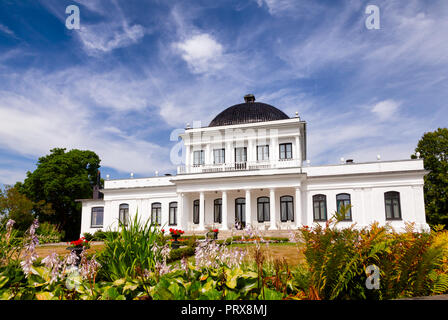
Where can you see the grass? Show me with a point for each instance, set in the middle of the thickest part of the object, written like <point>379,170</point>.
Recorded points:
<point>286,250</point>
<point>45,250</point>
<point>273,251</point>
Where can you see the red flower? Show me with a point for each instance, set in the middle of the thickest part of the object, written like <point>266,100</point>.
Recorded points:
<point>176,231</point>
<point>80,242</point>
<point>215,230</point>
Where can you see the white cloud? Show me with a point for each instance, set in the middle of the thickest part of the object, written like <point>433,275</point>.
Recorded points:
<point>202,53</point>
<point>6,30</point>
<point>384,110</point>
<point>41,113</point>
<point>289,7</point>
<point>11,176</point>
<point>105,37</point>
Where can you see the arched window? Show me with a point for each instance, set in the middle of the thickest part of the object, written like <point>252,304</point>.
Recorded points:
<point>320,207</point>
<point>393,207</point>
<point>196,211</point>
<point>217,213</point>
<point>96,220</point>
<point>343,199</point>
<point>286,208</point>
<point>156,213</point>
<point>172,219</point>
<point>123,214</point>
<point>263,208</point>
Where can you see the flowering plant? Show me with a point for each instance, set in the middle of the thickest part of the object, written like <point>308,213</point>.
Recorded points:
<point>215,230</point>
<point>175,232</point>
<point>81,242</point>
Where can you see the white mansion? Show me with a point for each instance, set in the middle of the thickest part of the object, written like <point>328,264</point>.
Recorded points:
<point>248,167</point>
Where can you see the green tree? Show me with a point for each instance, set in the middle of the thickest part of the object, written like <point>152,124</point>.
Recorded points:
<point>433,148</point>
<point>16,206</point>
<point>59,179</point>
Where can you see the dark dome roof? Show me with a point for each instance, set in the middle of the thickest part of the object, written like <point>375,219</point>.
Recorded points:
<point>248,112</point>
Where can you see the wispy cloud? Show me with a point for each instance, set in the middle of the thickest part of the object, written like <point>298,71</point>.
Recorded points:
<point>100,38</point>
<point>145,68</point>
<point>38,115</point>
<point>7,30</point>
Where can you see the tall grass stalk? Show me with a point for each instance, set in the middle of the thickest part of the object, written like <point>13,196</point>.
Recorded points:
<point>136,246</point>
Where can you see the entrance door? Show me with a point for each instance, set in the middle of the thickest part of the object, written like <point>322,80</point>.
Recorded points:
<point>240,213</point>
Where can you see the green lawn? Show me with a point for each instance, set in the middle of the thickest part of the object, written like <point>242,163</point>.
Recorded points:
<point>273,250</point>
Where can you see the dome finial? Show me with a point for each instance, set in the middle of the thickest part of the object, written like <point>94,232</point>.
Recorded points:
<point>249,98</point>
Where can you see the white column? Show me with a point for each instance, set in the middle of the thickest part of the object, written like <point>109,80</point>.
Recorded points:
<point>251,157</point>
<point>228,153</point>
<point>274,151</point>
<point>298,208</point>
<point>298,151</point>
<point>201,210</point>
<point>224,211</point>
<point>248,208</point>
<point>272,214</point>
<point>187,157</point>
<point>207,158</point>
<point>180,211</point>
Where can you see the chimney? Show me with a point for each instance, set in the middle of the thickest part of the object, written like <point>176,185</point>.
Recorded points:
<point>249,98</point>
<point>96,188</point>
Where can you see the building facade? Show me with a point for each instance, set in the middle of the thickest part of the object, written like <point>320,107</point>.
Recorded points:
<point>248,167</point>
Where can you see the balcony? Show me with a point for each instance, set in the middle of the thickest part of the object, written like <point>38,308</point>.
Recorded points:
<point>239,166</point>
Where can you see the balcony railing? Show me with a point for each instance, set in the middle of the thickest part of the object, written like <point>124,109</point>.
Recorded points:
<point>239,166</point>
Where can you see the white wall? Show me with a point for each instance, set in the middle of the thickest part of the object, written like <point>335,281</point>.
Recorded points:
<point>366,184</point>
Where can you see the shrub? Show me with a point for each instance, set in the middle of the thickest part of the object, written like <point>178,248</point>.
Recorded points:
<point>49,233</point>
<point>88,236</point>
<point>410,263</point>
<point>177,254</point>
<point>101,235</point>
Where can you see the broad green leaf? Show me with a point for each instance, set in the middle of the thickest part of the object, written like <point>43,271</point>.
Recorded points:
<point>119,282</point>
<point>3,280</point>
<point>130,286</point>
<point>164,294</point>
<point>44,295</point>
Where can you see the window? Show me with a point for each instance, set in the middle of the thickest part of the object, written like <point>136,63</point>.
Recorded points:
<point>263,209</point>
<point>262,153</point>
<point>392,202</point>
<point>343,199</point>
<point>196,211</point>
<point>286,208</point>
<point>320,207</point>
<point>217,211</point>
<point>123,214</point>
<point>285,150</point>
<point>198,158</point>
<point>240,213</point>
<point>219,156</point>
<point>97,217</point>
<point>172,218</point>
<point>156,213</point>
<point>241,154</point>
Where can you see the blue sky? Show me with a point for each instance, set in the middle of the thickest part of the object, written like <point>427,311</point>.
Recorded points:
<point>137,70</point>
